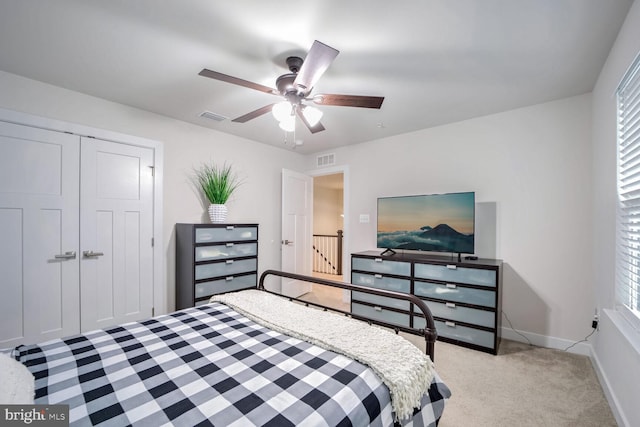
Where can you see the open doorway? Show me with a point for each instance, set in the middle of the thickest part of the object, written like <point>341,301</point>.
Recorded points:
<point>328,238</point>
<point>328,225</point>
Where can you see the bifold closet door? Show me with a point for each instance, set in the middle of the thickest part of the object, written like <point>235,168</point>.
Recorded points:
<point>116,223</point>
<point>39,234</point>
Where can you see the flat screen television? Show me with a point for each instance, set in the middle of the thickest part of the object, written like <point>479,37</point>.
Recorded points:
<point>430,222</point>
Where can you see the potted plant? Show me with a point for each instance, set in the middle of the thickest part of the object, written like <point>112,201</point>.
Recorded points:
<point>217,183</point>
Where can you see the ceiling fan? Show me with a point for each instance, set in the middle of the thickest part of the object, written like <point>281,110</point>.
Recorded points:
<point>296,87</point>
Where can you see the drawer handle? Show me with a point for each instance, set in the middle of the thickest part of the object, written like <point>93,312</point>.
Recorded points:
<point>378,276</point>
<point>229,261</point>
<point>450,324</point>
<point>229,227</point>
<point>451,285</point>
<point>378,260</point>
<point>452,266</point>
<point>228,278</point>
<point>229,245</point>
<point>451,305</point>
<point>376,308</point>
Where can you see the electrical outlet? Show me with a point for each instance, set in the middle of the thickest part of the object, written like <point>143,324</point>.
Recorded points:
<point>594,322</point>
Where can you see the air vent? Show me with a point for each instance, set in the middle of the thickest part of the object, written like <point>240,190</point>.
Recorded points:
<point>326,160</point>
<point>212,116</point>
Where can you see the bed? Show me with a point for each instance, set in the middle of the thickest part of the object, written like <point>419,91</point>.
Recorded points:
<point>218,364</point>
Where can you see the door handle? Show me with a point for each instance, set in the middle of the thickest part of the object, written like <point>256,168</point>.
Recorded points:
<point>287,242</point>
<point>90,254</point>
<point>66,255</point>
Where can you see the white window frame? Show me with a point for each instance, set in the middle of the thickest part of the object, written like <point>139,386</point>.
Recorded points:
<point>627,289</point>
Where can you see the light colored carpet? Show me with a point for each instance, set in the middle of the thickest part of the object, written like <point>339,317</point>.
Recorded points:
<point>522,386</point>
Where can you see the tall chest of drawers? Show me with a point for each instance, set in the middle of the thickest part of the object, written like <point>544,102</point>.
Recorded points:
<point>464,297</point>
<point>213,259</point>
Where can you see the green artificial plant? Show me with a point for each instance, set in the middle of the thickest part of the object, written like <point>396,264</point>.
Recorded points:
<point>217,183</point>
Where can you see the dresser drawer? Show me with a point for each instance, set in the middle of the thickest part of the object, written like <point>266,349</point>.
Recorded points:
<point>451,311</point>
<point>383,266</point>
<point>227,250</point>
<point>474,276</point>
<point>381,282</point>
<point>226,268</point>
<point>381,301</point>
<point>381,314</point>
<point>455,293</point>
<point>461,333</point>
<point>226,234</point>
<point>227,284</point>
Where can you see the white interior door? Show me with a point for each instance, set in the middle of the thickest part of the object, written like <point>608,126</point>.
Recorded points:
<point>297,221</point>
<point>39,274</point>
<point>116,226</point>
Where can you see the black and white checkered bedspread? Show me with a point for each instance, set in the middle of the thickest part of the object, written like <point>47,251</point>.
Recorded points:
<point>209,365</point>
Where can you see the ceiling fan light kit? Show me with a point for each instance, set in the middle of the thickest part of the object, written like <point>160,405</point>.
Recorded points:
<point>296,87</point>
<point>312,114</point>
<point>282,110</point>
<point>288,124</point>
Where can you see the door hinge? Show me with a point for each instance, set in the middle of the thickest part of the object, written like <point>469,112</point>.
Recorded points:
<point>152,241</point>
<point>153,311</point>
<point>153,170</point>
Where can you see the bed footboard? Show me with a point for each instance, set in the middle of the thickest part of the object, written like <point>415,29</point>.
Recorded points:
<point>429,333</point>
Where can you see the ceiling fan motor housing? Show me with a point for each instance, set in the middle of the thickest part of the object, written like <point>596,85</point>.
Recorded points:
<point>285,83</point>
<point>285,86</point>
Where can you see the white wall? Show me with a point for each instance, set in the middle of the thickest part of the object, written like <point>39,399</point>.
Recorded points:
<point>327,210</point>
<point>616,349</point>
<point>185,146</point>
<point>534,165</point>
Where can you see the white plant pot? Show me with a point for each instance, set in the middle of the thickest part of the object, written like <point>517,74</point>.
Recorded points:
<point>217,213</point>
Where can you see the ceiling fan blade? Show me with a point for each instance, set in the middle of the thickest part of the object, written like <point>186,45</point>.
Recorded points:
<point>252,115</point>
<point>349,100</point>
<point>236,81</point>
<point>313,129</point>
<point>318,59</point>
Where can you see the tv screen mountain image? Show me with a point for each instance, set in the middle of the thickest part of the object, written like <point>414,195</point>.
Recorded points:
<point>441,238</point>
<point>435,222</point>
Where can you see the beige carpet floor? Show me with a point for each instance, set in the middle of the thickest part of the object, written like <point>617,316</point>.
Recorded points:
<point>522,386</point>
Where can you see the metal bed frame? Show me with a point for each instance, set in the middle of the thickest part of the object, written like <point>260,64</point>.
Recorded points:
<point>429,333</point>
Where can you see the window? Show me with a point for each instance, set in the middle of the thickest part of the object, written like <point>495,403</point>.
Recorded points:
<point>628,213</point>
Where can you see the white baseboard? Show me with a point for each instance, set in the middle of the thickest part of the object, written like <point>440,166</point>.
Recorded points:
<point>608,392</point>
<point>583,348</point>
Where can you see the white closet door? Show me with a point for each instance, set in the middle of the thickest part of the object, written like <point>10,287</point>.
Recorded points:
<point>116,226</point>
<point>39,236</point>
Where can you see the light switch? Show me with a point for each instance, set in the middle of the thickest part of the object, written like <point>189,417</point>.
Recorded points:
<point>364,218</point>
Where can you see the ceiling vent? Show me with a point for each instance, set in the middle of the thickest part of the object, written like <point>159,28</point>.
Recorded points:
<point>326,160</point>
<point>212,116</point>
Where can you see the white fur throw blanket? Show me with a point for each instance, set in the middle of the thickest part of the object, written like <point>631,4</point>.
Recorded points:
<point>16,382</point>
<point>403,368</point>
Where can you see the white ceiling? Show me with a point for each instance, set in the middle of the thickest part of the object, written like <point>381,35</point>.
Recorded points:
<point>434,61</point>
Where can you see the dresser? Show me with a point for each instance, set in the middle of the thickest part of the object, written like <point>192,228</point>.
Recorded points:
<point>213,259</point>
<point>464,297</point>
